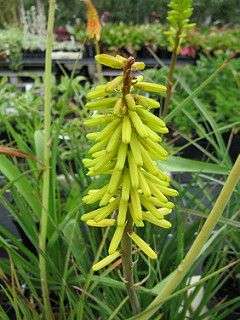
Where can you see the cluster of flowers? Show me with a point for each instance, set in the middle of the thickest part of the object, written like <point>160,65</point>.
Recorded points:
<point>125,148</point>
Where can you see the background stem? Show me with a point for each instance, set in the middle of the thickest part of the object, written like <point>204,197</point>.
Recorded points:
<point>197,246</point>
<point>127,263</point>
<point>47,153</point>
<point>170,74</point>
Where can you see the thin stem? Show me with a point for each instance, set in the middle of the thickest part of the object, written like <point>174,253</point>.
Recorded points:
<point>127,263</point>
<point>126,243</point>
<point>171,73</point>
<point>98,65</point>
<point>195,250</point>
<point>47,154</point>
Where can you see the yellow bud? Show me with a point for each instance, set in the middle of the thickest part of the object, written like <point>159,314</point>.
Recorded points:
<point>126,130</point>
<point>108,130</point>
<point>151,87</point>
<point>125,185</point>
<point>143,246</point>
<point>155,191</point>
<point>115,138</point>
<point>114,181</point>
<point>136,205</point>
<point>155,179</point>
<point>121,218</point>
<point>152,135</point>
<point>146,102</point>
<point>150,118</point>
<point>159,150</point>
<point>94,196</point>
<point>109,61</point>
<point>168,191</point>
<point>106,261</point>
<point>103,223</point>
<point>138,66</point>
<point>114,84</point>
<point>121,157</point>
<point>98,146</point>
<point>150,207</point>
<point>158,222</point>
<point>149,165</point>
<point>144,185</point>
<point>136,150</point>
<point>121,58</point>
<point>105,199</point>
<point>133,170</point>
<point>97,93</point>
<point>136,220</point>
<point>102,103</point>
<point>116,239</point>
<point>106,211</point>
<point>137,123</point>
<point>130,102</point>
<point>98,120</point>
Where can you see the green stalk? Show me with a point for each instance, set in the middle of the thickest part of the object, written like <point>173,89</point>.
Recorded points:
<point>195,250</point>
<point>46,156</point>
<point>98,65</point>
<point>171,73</point>
<point>127,263</point>
<point>126,243</point>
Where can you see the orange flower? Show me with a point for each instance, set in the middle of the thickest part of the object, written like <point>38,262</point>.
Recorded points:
<point>93,22</point>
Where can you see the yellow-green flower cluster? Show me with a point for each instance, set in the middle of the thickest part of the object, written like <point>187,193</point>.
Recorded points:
<point>179,20</point>
<point>126,145</point>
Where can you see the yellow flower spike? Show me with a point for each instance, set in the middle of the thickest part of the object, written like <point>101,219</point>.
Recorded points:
<point>126,130</point>
<point>151,87</point>
<point>126,143</point>
<point>143,246</point>
<point>103,223</point>
<point>106,261</point>
<point>116,239</point>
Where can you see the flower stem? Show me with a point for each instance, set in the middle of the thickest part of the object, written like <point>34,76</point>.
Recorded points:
<point>170,74</point>
<point>47,153</point>
<point>126,243</point>
<point>127,263</point>
<point>198,244</point>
